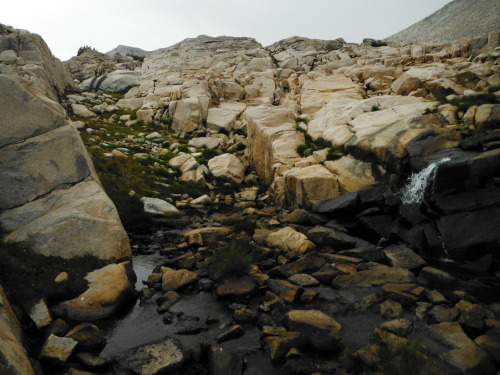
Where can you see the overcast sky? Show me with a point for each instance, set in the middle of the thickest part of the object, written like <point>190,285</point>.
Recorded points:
<point>67,25</point>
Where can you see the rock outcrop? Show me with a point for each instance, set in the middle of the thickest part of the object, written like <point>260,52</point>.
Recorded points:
<point>457,19</point>
<point>47,175</point>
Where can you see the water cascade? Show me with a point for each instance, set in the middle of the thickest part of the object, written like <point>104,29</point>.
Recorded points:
<point>418,183</point>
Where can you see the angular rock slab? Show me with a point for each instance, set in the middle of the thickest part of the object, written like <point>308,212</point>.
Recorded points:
<point>164,357</point>
<point>465,355</point>
<point>57,350</point>
<point>227,165</point>
<point>289,240</point>
<point>404,257</point>
<point>173,280</point>
<point>60,159</point>
<point>39,114</point>
<point>109,290</point>
<point>377,276</point>
<point>322,331</point>
<point>238,286</point>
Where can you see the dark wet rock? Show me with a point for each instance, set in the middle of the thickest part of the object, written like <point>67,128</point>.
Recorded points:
<point>321,330</point>
<point>190,328</point>
<point>279,346</point>
<point>58,328</point>
<point>271,301</point>
<point>444,313</point>
<point>146,294</point>
<point>57,350</point>
<point>438,278</point>
<point>341,205</point>
<point>167,301</point>
<point>342,259</point>
<point>468,235</point>
<point>222,361</point>
<point>377,276</point>
<point>232,333</point>
<point>298,216</point>
<point>391,309</point>
<point>89,338</point>
<point>490,343</point>
<point>471,315</point>
<point>237,286</point>
<point>284,289</point>
<point>464,355</point>
<point>404,257</point>
<point>435,297</point>
<point>322,236</point>
<point>308,263</point>
<point>368,253</point>
<point>326,277</point>
<point>400,327</point>
<point>403,293</point>
<point>245,316</point>
<point>90,361</point>
<point>165,356</point>
<point>303,279</point>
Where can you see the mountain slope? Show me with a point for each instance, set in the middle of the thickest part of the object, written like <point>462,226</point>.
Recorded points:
<point>127,50</point>
<point>459,18</point>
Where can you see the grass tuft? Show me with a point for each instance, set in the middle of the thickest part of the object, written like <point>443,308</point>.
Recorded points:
<point>232,259</point>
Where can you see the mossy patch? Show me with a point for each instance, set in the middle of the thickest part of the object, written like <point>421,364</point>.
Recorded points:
<point>27,276</point>
<point>232,259</point>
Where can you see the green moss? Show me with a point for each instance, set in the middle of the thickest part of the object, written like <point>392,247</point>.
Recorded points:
<point>242,223</point>
<point>375,108</point>
<point>232,259</point>
<point>302,119</point>
<point>301,149</point>
<point>27,276</point>
<point>493,89</point>
<point>405,358</point>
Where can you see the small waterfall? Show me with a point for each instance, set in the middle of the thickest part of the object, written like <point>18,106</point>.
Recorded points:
<point>414,191</point>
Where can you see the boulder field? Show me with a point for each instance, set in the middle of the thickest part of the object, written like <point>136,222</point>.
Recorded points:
<point>352,168</point>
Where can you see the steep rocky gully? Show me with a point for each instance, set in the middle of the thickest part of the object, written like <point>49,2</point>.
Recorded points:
<point>312,207</point>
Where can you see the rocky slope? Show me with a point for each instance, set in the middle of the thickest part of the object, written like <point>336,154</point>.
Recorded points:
<point>128,51</point>
<point>457,19</point>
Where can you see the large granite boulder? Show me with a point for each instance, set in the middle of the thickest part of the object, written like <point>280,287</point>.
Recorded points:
<point>118,81</point>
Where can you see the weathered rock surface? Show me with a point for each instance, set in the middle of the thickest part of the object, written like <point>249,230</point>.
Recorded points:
<point>109,290</point>
<point>14,356</point>
<point>118,81</point>
<point>57,350</point>
<point>322,331</point>
<point>165,356</point>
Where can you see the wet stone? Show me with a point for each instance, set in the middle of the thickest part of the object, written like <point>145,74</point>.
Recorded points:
<point>284,289</point>
<point>444,313</point>
<point>400,327</point>
<point>391,309</point>
<point>303,280</point>
<point>232,333</point>
<point>239,286</point>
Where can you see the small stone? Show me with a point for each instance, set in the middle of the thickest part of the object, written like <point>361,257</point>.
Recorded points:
<point>435,297</point>
<point>63,276</point>
<point>400,327</point>
<point>57,350</point>
<point>391,309</point>
<point>303,280</point>
<point>88,336</point>
<point>444,314</point>
<point>280,345</point>
<point>40,314</point>
<point>322,331</point>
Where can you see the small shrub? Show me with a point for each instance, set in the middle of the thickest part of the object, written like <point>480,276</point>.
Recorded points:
<point>333,154</point>
<point>135,57</point>
<point>301,149</point>
<point>242,224</point>
<point>405,358</point>
<point>183,148</point>
<point>27,276</point>
<point>232,259</point>
<point>375,108</point>
<point>301,119</point>
<point>133,114</point>
<point>223,131</point>
<point>83,49</point>
<point>463,103</point>
<point>493,89</point>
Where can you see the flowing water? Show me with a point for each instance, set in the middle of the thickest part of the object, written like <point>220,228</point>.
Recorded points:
<point>414,191</point>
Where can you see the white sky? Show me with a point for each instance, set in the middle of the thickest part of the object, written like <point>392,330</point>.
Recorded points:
<point>67,25</point>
